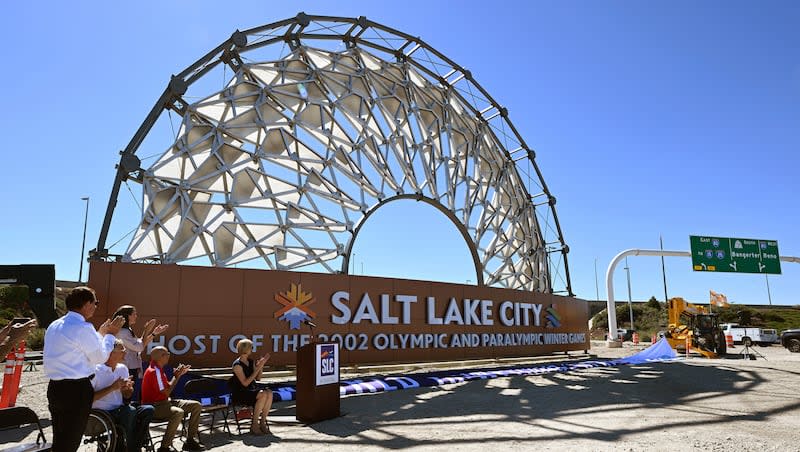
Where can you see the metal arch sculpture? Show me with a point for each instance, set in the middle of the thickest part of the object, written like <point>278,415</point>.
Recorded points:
<point>286,162</point>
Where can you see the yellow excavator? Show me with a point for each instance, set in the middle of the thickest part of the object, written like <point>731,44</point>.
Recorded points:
<point>696,326</point>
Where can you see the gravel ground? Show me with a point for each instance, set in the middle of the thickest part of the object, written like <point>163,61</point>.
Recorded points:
<point>692,404</point>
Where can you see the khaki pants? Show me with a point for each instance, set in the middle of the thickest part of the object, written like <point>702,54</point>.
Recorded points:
<point>174,411</point>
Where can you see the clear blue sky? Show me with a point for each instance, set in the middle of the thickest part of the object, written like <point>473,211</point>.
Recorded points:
<point>649,119</point>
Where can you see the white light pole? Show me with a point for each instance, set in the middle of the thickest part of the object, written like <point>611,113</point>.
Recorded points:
<point>83,244</point>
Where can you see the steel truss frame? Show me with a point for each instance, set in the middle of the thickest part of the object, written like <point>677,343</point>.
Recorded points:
<point>286,162</point>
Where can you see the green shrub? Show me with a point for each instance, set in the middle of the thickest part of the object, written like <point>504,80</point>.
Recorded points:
<point>61,307</point>
<point>773,317</point>
<point>6,315</point>
<point>35,340</point>
<point>646,319</point>
<point>13,297</point>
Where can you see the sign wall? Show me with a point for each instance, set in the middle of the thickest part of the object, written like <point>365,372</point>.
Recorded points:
<point>375,320</point>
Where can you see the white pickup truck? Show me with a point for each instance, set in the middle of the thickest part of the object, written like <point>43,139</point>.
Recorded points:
<point>750,335</point>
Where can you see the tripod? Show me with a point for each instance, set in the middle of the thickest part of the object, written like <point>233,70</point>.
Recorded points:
<point>750,352</point>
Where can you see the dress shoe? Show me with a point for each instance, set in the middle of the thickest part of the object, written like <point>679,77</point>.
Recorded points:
<point>193,445</point>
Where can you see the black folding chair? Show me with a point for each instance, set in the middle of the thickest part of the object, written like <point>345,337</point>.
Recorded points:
<point>207,392</point>
<point>241,414</point>
<point>155,433</point>
<point>19,415</point>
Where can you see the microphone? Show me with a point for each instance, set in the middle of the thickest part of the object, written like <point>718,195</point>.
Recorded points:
<point>310,323</point>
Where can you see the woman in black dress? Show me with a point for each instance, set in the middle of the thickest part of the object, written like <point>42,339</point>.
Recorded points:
<point>245,374</point>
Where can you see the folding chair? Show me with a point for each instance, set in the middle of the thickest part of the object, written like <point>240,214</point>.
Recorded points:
<point>241,413</point>
<point>159,427</point>
<point>207,391</point>
<point>20,415</point>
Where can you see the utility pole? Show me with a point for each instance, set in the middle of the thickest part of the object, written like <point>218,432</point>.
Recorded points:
<point>83,244</point>
<point>663,271</point>
<point>630,302</point>
<point>596,284</point>
<point>769,295</point>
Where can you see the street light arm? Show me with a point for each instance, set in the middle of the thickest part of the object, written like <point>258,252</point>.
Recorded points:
<point>612,314</point>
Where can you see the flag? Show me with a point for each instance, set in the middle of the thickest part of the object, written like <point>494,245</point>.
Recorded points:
<point>718,299</point>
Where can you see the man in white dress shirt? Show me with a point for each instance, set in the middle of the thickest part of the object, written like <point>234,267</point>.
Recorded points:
<point>72,349</point>
<point>111,383</point>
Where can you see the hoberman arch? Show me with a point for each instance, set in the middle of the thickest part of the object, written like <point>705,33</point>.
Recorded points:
<point>323,120</point>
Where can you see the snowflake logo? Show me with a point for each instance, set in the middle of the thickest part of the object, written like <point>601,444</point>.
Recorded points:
<point>552,317</point>
<point>295,306</point>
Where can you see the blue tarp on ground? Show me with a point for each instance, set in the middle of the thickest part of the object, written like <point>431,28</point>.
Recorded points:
<point>660,351</point>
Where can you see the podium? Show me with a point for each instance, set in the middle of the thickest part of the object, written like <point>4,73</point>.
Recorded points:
<point>317,382</point>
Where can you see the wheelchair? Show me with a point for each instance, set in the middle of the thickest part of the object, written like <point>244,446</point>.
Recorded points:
<point>102,434</point>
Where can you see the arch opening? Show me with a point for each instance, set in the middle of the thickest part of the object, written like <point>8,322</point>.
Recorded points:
<point>416,239</point>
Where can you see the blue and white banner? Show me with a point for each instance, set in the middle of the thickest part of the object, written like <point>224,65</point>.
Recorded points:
<point>660,351</point>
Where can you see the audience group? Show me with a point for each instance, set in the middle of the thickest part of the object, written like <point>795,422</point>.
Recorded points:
<point>99,369</point>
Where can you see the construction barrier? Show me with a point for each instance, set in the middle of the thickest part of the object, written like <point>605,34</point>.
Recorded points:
<point>8,378</point>
<point>17,373</point>
<point>729,341</point>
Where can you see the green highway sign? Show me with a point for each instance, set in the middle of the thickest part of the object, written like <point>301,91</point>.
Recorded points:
<point>735,255</point>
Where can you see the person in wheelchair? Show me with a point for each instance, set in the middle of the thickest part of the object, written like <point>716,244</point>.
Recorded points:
<point>111,384</point>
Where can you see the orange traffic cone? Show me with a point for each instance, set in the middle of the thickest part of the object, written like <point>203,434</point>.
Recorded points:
<point>8,377</point>
<point>17,373</point>
<point>729,341</point>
